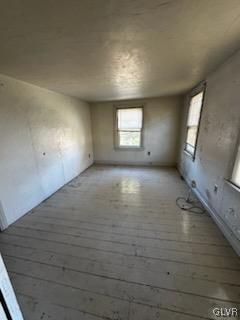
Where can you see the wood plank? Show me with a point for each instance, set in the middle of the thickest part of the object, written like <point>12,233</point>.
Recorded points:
<point>120,224</point>
<point>36,309</point>
<point>68,296</point>
<point>119,217</point>
<point>184,237</point>
<point>138,263</point>
<point>111,291</point>
<point>128,249</point>
<point>123,219</point>
<point>186,284</point>
<point>195,248</point>
<point>107,209</point>
<point>143,312</point>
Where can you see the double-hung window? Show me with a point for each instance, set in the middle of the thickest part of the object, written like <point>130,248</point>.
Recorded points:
<point>193,120</point>
<point>129,123</point>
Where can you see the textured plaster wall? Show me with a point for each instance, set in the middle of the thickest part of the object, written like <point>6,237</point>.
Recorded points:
<point>217,145</point>
<point>45,141</point>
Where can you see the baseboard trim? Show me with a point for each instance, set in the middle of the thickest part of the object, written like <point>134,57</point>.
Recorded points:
<point>227,232</point>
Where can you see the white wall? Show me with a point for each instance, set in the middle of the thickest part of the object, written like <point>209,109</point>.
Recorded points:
<point>161,132</point>
<point>216,148</point>
<point>8,295</point>
<point>45,141</point>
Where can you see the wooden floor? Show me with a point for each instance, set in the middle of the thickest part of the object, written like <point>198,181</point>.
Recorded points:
<point>113,245</point>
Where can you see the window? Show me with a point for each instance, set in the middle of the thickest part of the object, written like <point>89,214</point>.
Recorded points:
<point>129,127</point>
<point>236,170</point>
<point>193,120</point>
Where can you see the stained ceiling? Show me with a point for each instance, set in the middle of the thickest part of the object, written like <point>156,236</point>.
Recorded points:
<point>116,49</point>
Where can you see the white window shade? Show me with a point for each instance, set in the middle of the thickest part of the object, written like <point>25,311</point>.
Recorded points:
<point>236,170</point>
<point>129,119</point>
<point>195,110</point>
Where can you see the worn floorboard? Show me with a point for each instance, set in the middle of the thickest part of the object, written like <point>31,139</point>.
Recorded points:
<point>112,244</point>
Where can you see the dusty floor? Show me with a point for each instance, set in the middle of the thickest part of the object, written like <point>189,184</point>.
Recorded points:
<point>113,245</point>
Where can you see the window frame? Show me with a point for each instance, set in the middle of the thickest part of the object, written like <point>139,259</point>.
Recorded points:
<point>200,88</point>
<point>116,135</point>
<point>233,162</point>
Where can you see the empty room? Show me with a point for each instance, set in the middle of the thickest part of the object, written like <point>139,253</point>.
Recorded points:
<point>119,159</point>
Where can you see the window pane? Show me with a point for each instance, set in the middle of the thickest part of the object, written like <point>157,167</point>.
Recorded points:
<point>192,136</point>
<point>236,170</point>
<point>129,139</point>
<point>195,110</point>
<point>194,113</point>
<point>130,119</point>
<point>190,149</point>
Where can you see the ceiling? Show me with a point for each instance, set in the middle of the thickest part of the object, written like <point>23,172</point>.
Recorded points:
<point>116,49</point>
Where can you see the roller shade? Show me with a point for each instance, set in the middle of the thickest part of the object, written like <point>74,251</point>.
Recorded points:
<point>129,119</point>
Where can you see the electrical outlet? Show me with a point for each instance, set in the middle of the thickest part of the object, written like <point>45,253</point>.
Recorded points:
<point>193,184</point>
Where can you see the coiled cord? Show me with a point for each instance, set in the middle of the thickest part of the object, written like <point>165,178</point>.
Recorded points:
<point>187,204</point>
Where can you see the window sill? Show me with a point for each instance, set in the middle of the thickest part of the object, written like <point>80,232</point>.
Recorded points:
<point>129,148</point>
<point>231,184</point>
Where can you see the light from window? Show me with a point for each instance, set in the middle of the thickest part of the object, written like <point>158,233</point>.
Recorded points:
<point>129,127</point>
<point>193,122</point>
<point>236,170</point>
